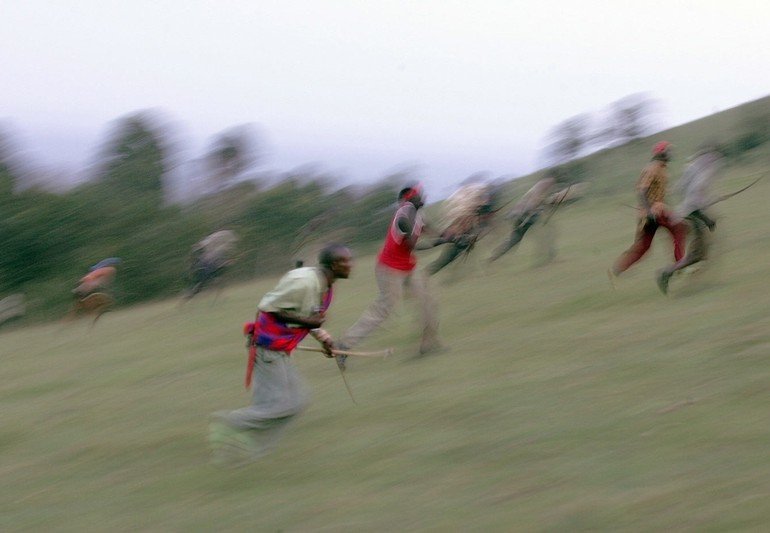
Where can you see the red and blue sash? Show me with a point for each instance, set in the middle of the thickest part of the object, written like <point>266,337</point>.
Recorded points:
<point>273,334</point>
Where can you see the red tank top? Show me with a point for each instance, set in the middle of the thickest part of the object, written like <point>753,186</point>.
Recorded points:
<point>396,252</point>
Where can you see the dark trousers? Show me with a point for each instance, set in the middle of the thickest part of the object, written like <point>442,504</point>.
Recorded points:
<point>521,226</point>
<point>450,252</point>
<point>697,249</point>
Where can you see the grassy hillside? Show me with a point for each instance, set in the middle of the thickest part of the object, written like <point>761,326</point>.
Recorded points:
<point>562,405</point>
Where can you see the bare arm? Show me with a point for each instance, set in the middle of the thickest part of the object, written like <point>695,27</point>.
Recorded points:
<point>322,336</point>
<point>405,225</point>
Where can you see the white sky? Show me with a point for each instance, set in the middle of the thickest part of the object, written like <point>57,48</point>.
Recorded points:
<point>362,87</point>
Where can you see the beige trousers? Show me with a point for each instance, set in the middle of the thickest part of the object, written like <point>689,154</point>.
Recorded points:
<point>391,284</point>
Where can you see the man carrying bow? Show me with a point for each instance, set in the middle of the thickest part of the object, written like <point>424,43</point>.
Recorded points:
<point>295,308</point>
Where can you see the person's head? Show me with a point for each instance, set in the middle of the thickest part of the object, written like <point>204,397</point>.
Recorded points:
<point>337,259</point>
<point>662,151</point>
<point>412,192</point>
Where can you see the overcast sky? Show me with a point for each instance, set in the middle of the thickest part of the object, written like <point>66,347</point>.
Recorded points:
<point>363,87</point>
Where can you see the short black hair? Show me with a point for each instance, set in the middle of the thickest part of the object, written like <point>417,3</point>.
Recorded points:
<point>330,253</point>
<point>408,187</point>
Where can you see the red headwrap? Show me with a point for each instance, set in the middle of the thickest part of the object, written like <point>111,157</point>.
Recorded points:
<point>413,191</point>
<point>661,147</point>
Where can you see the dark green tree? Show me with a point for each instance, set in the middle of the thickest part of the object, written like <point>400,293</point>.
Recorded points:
<point>133,160</point>
<point>7,177</point>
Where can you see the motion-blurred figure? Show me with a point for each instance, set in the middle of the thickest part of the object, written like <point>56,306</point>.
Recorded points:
<point>651,192</point>
<point>694,186</point>
<point>545,232</point>
<point>295,308</point>
<point>94,292</point>
<point>526,212</point>
<point>210,258</point>
<point>395,271</point>
<point>468,213</point>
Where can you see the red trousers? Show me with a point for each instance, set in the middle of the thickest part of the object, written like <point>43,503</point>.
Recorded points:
<point>645,231</point>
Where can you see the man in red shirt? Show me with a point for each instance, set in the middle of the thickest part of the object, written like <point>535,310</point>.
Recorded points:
<point>395,271</point>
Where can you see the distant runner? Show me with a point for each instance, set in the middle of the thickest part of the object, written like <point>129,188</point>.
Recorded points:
<point>651,192</point>
<point>94,292</point>
<point>694,186</point>
<point>526,212</point>
<point>468,214</point>
<point>210,258</point>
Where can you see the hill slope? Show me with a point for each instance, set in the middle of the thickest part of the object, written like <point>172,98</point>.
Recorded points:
<point>562,405</point>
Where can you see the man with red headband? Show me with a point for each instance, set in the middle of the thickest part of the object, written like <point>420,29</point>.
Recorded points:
<point>395,271</point>
<point>651,192</point>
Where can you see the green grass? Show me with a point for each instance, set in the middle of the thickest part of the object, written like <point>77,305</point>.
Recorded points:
<point>562,405</point>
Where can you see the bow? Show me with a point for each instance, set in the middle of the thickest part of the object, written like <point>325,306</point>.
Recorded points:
<point>345,380</point>
<point>730,195</point>
<point>378,353</point>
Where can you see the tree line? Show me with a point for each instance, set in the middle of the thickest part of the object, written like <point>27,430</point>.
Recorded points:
<point>635,117</point>
<point>49,240</point>
<point>126,208</point>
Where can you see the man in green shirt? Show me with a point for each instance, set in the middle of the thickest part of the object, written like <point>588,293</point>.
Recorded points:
<point>295,308</point>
